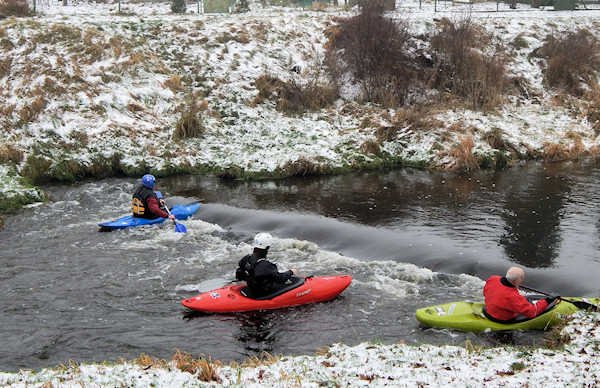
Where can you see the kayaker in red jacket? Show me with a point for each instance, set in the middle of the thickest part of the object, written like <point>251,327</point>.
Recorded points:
<point>261,275</point>
<point>145,203</point>
<point>503,302</point>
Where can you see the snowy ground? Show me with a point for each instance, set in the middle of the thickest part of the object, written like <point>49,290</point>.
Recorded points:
<point>87,83</point>
<point>367,364</point>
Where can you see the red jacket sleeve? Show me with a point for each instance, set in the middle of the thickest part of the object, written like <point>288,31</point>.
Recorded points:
<point>154,209</point>
<point>523,307</point>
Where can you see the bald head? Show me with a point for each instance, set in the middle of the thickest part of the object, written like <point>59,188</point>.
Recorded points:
<point>515,276</point>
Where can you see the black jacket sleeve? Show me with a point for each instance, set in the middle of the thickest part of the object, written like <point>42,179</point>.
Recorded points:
<point>240,272</point>
<point>267,271</point>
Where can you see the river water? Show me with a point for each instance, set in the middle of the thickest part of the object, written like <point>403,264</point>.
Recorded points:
<point>409,238</point>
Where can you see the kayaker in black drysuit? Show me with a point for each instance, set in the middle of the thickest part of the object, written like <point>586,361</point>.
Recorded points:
<point>145,203</point>
<point>261,275</point>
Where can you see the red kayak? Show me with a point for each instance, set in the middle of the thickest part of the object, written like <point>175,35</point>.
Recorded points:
<point>303,290</point>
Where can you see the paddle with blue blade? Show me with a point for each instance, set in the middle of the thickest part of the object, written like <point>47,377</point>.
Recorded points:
<point>179,228</point>
<point>580,304</point>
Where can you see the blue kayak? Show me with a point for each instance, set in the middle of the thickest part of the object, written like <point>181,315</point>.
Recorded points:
<point>181,212</point>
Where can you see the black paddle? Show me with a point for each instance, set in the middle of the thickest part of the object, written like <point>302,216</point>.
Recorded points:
<point>578,303</point>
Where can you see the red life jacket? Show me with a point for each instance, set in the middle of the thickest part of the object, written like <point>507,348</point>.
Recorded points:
<point>503,300</point>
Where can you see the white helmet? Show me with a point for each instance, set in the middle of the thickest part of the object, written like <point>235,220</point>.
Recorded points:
<point>263,240</point>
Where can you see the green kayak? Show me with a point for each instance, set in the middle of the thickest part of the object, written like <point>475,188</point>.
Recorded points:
<point>468,316</point>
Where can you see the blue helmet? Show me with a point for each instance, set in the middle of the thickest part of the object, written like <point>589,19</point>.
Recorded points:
<point>148,180</point>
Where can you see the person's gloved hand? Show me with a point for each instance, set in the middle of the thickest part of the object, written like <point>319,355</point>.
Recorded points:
<point>162,202</point>
<point>171,217</point>
<point>552,298</point>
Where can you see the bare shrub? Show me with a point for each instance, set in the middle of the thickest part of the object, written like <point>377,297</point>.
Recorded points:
<point>573,59</point>
<point>190,124</point>
<point>291,97</point>
<point>469,63</point>
<point>373,51</point>
<point>14,8</point>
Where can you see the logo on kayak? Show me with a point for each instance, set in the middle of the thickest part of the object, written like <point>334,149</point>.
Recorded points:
<point>451,309</point>
<point>440,311</point>
<point>302,293</point>
<point>214,294</point>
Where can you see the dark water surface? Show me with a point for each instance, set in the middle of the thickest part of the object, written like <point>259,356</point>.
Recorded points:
<point>410,238</point>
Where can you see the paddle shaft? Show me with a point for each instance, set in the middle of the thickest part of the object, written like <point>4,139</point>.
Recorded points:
<point>578,303</point>
<point>533,290</point>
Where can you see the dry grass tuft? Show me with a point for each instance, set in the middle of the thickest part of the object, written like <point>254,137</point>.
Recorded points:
<point>5,65</point>
<point>303,167</point>
<point>206,369</point>
<point>555,152</point>
<point>592,108</point>
<point>291,97</point>
<point>133,107</point>
<point>146,361</point>
<point>230,173</point>
<point>10,153</point>
<point>461,156</point>
<point>494,139</point>
<point>264,359</point>
<point>416,119</point>
<point>370,147</point>
<point>190,124</point>
<point>30,112</point>
<point>173,83</point>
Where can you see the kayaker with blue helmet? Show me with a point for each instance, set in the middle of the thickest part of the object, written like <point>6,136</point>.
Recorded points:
<point>261,275</point>
<point>145,203</point>
<point>503,302</point>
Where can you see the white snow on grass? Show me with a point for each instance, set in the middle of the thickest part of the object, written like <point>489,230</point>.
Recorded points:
<point>364,365</point>
<point>12,187</point>
<point>121,91</point>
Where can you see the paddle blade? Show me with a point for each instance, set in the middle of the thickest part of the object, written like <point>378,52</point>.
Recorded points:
<point>179,228</point>
<point>581,304</point>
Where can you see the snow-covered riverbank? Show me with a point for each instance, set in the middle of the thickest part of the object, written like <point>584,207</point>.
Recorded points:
<point>90,91</point>
<point>368,364</point>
